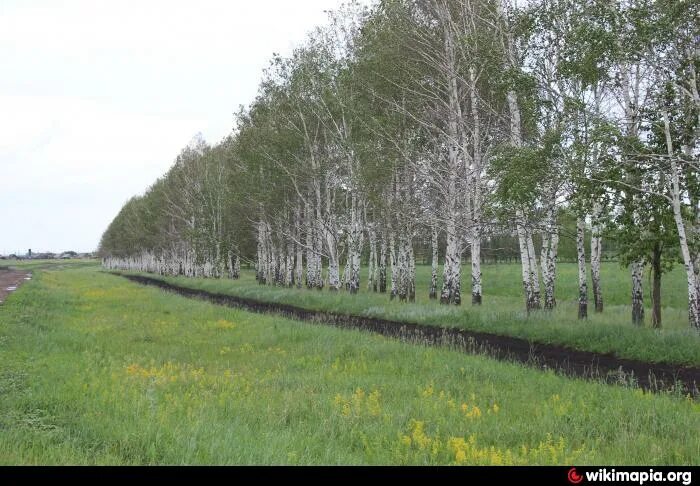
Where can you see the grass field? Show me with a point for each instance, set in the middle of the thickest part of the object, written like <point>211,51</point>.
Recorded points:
<point>96,369</point>
<point>502,311</point>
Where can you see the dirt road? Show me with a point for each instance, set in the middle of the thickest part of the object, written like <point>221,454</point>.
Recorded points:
<point>10,280</point>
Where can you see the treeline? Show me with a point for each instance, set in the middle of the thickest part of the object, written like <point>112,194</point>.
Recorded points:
<point>453,127</point>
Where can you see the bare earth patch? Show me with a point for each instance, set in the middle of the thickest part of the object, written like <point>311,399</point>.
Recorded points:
<point>10,280</point>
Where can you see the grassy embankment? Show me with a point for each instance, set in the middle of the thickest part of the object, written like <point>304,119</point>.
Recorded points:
<point>503,313</point>
<point>95,369</point>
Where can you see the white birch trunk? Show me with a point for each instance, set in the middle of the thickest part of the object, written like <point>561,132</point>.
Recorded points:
<point>451,278</point>
<point>333,263</point>
<point>299,268</point>
<point>690,262</point>
<point>346,270</point>
<point>411,272</point>
<point>637,271</point>
<point>318,248</point>
<point>528,261</point>
<point>355,245</point>
<point>475,187</point>
<point>451,284</point>
<point>406,268</point>
<point>333,274</point>
<point>548,258</point>
<point>596,254</point>
<point>382,264</point>
<point>534,271</point>
<point>310,244</point>
<point>402,270</point>
<point>476,270</point>
<point>527,256</point>
<point>289,274</point>
<point>261,263</point>
<point>581,258</point>
<point>281,270</point>
<point>434,269</point>
<point>373,270</point>
<point>393,265</point>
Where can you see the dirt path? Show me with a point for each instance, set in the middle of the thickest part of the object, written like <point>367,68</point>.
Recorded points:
<point>572,362</point>
<point>10,280</point>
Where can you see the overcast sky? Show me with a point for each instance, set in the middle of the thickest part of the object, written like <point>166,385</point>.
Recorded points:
<point>97,98</point>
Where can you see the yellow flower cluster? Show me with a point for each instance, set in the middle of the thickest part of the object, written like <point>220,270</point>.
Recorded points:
<point>560,407</point>
<point>440,398</point>
<point>471,412</point>
<point>350,365</point>
<point>420,440</point>
<point>460,450</point>
<point>224,324</point>
<point>168,373</point>
<point>246,348</point>
<point>359,403</point>
<point>277,350</point>
<point>468,452</point>
<point>95,294</point>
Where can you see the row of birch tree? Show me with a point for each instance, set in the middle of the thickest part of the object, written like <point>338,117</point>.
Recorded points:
<point>448,124</point>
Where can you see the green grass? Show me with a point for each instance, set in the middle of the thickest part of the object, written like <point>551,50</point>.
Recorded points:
<point>31,265</point>
<point>503,312</point>
<point>98,370</point>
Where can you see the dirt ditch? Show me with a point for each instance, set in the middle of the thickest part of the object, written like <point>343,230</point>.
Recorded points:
<point>584,364</point>
<point>10,280</point>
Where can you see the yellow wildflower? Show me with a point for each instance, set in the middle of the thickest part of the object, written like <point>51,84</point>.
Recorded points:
<point>224,324</point>
<point>418,434</point>
<point>133,369</point>
<point>373,405</point>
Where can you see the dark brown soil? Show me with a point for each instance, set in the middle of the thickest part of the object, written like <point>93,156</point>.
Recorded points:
<point>10,280</point>
<point>584,364</point>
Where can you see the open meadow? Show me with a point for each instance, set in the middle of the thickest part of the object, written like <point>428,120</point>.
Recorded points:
<point>99,370</point>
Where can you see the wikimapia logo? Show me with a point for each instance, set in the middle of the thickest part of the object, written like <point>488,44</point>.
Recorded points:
<point>638,477</point>
<point>573,476</point>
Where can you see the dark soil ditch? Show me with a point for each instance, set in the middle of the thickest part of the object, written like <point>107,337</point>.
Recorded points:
<point>571,362</point>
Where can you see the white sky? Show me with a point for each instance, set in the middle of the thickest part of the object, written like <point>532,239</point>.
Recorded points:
<point>97,98</point>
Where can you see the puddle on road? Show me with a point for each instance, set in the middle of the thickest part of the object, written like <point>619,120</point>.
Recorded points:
<point>11,288</point>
